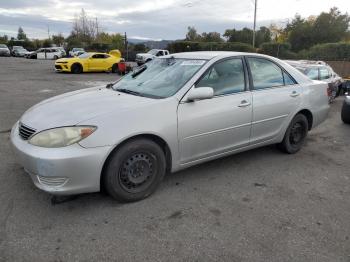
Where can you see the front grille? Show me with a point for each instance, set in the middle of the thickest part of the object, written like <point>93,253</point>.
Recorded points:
<point>25,131</point>
<point>58,67</point>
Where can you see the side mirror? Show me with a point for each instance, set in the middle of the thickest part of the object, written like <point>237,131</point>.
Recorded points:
<point>200,93</point>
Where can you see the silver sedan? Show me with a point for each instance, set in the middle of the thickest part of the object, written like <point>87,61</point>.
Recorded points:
<point>177,111</point>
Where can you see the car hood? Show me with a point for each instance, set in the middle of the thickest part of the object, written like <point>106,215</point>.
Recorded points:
<point>64,60</point>
<point>145,54</point>
<point>78,106</point>
<point>4,48</point>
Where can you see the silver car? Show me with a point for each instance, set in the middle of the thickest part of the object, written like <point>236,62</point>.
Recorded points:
<point>177,111</point>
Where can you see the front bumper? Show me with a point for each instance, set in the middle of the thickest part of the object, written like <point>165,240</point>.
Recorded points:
<point>60,67</point>
<point>61,171</point>
<point>139,61</point>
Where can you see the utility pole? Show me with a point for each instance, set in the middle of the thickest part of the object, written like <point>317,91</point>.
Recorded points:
<point>48,31</point>
<point>254,27</point>
<point>126,46</point>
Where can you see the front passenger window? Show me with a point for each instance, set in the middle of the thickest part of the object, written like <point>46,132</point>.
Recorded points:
<point>225,77</point>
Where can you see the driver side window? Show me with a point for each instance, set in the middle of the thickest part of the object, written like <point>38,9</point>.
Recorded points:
<point>225,77</point>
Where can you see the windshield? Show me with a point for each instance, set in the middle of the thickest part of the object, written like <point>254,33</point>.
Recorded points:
<point>160,78</point>
<point>153,52</point>
<point>84,55</point>
<point>78,49</point>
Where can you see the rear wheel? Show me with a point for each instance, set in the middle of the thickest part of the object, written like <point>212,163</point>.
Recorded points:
<point>76,69</point>
<point>135,170</point>
<point>295,135</point>
<point>115,68</point>
<point>55,57</point>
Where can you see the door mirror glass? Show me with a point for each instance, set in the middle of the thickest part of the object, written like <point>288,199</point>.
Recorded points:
<point>200,93</point>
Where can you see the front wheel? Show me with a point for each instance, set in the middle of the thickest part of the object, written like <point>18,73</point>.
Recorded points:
<point>135,170</point>
<point>76,69</point>
<point>295,135</point>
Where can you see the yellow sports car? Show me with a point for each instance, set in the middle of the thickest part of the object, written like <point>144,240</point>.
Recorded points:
<point>90,62</point>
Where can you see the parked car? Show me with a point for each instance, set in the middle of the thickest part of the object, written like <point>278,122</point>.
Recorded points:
<point>90,62</point>
<point>318,70</point>
<point>20,52</point>
<point>172,113</point>
<point>49,53</point>
<point>45,53</point>
<point>345,112</point>
<point>142,58</point>
<point>76,51</point>
<point>4,50</point>
<point>14,48</point>
<point>63,52</point>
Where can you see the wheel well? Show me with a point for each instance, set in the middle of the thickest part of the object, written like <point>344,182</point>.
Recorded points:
<point>308,116</point>
<point>158,140</point>
<point>77,64</point>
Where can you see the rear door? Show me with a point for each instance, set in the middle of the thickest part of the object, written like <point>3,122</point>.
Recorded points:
<point>214,126</point>
<point>41,54</point>
<point>276,96</point>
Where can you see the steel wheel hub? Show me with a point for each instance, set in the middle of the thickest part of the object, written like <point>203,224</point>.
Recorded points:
<point>136,172</point>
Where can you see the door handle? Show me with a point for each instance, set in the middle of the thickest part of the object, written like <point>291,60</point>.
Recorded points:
<point>294,94</point>
<point>244,103</point>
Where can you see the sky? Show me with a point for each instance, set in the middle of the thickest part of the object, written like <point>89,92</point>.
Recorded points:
<point>153,19</point>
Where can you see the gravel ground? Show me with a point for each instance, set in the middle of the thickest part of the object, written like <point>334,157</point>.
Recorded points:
<point>260,205</point>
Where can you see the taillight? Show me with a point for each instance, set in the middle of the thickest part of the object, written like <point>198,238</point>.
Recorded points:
<point>329,89</point>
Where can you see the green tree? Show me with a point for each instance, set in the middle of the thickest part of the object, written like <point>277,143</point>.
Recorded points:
<point>21,35</point>
<point>330,27</point>
<point>4,39</point>
<point>58,39</point>
<point>192,34</point>
<point>211,37</point>
<point>300,34</point>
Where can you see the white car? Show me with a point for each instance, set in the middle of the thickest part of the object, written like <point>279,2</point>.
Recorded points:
<point>76,51</point>
<point>4,50</point>
<point>172,113</point>
<point>142,58</point>
<point>319,70</point>
<point>49,53</point>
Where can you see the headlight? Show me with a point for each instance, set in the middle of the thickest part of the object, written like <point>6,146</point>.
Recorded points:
<point>62,136</point>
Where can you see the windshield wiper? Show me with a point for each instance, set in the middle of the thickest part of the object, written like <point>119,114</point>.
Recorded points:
<point>139,71</point>
<point>127,91</point>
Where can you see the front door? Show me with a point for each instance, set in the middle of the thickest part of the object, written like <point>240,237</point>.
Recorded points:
<point>98,62</point>
<point>218,125</point>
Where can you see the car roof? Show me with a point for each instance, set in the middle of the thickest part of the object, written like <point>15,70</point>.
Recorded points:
<point>208,55</point>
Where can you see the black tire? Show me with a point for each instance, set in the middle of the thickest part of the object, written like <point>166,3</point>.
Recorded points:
<point>115,68</point>
<point>295,135</point>
<point>135,170</point>
<point>76,69</point>
<point>55,57</point>
<point>345,113</point>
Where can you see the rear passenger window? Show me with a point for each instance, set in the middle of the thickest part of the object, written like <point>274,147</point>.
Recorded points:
<point>288,80</point>
<point>225,77</point>
<point>324,73</point>
<point>265,73</point>
<point>313,73</point>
